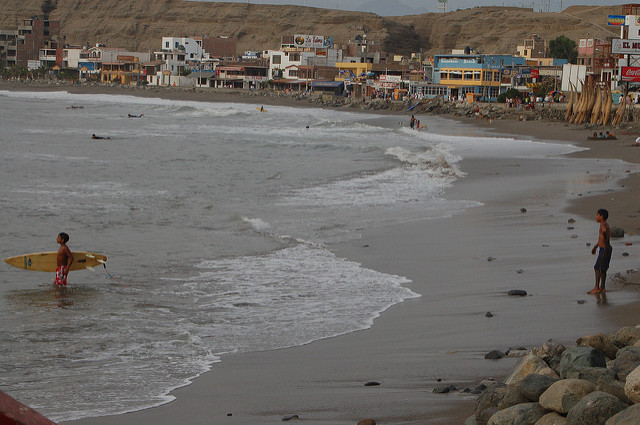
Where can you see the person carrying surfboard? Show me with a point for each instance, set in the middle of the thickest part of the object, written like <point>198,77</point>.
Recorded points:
<point>64,261</point>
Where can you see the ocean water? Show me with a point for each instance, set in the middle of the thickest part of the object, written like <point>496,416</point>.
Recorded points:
<point>217,221</point>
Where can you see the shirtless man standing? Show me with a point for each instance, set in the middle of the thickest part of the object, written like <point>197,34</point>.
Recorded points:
<point>64,260</point>
<point>603,246</point>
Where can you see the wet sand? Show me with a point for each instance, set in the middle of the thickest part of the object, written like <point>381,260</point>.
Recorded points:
<point>441,337</point>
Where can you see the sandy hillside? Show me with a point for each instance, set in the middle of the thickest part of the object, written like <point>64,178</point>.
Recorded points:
<point>139,25</point>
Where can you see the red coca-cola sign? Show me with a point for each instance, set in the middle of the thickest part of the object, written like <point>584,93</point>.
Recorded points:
<point>631,73</point>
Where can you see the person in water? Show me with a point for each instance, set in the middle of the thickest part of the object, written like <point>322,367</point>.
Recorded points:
<point>93,136</point>
<point>603,247</point>
<point>63,261</point>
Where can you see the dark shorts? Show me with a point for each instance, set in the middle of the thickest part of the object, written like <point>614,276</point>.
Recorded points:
<point>604,257</point>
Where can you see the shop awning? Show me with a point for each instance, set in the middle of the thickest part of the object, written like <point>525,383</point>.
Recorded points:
<point>327,84</point>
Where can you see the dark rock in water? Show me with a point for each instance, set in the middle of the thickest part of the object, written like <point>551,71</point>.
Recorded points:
<point>617,232</point>
<point>290,418</point>
<point>523,210</point>
<point>480,387</point>
<point>571,221</point>
<point>229,414</point>
<point>494,355</point>
<point>581,301</point>
<point>439,380</point>
<point>570,228</point>
<point>372,384</point>
<point>365,246</point>
<point>519,271</point>
<point>595,408</point>
<point>488,314</point>
<point>517,292</point>
<point>442,389</point>
<point>625,254</point>
<point>490,258</point>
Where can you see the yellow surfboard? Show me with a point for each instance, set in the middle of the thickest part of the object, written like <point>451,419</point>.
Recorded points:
<point>47,261</point>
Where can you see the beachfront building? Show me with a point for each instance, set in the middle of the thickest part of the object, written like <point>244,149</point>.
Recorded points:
<point>91,60</point>
<point>246,75</point>
<point>22,47</point>
<point>599,61</point>
<point>474,77</point>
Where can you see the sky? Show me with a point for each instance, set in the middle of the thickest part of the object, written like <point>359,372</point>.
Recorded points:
<point>425,6</point>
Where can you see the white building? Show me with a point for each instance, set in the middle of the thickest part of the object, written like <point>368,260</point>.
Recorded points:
<point>190,47</point>
<point>281,62</point>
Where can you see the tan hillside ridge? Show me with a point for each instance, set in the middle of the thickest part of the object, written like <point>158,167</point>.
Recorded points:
<point>139,26</point>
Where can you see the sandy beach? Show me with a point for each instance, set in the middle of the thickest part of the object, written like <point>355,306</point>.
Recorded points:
<point>522,226</point>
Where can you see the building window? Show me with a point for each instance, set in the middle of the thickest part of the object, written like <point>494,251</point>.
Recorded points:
<point>294,57</point>
<point>166,45</point>
<point>176,45</point>
<point>496,76</point>
<point>276,59</point>
<point>444,75</point>
<point>468,75</point>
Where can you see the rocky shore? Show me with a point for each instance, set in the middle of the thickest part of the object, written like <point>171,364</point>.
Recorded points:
<point>595,382</point>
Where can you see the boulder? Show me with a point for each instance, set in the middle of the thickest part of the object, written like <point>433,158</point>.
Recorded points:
<point>367,422</point>
<point>490,398</point>
<point>532,386</point>
<point>602,342</point>
<point>577,358</point>
<point>471,420</point>
<point>547,371</point>
<point>512,397</point>
<point>494,355</point>
<point>627,335</point>
<point>522,414</point>
<point>613,387</point>
<point>595,409</point>
<point>629,416</point>
<point>561,396</point>
<point>627,359</point>
<point>550,352</point>
<point>632,386</point>
<point>552,419</point>
<point>594,374</point>
<point>528,365</point>
<point>485,415</point>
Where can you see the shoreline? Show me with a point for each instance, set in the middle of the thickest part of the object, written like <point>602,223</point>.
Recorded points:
<point>239,370</point>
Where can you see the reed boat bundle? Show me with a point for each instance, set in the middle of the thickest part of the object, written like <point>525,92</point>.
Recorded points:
<point>572,97</point>
<point>597,106</point>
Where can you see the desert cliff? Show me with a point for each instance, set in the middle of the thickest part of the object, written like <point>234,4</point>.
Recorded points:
<point>140,25</point>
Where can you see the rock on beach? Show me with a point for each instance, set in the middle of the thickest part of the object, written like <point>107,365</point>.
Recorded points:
<point>556,385</point>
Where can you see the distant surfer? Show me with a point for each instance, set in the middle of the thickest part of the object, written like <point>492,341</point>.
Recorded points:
<point>93,136</point>
<point>412,123</point>
<point>136,116</point>
<point>262,108</point>
<point>64,260</point>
